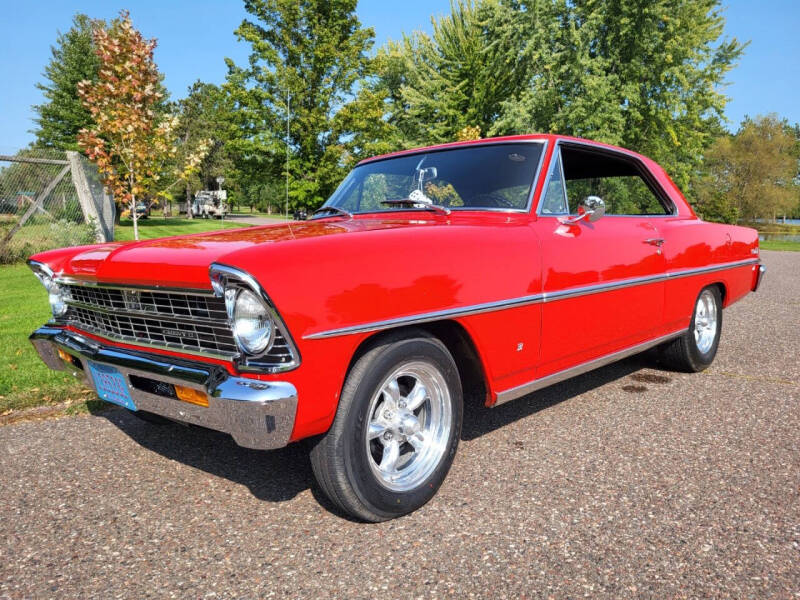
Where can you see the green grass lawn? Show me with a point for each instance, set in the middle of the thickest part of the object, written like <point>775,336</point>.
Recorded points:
<point>24,380</point>
<point>157,227</point>
<point>780,245</point>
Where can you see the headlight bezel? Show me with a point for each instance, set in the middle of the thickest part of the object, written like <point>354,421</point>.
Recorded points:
<point>228,283</point>
<point>56,295</point>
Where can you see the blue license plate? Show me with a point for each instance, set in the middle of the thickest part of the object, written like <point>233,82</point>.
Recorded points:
<point>111,385</point>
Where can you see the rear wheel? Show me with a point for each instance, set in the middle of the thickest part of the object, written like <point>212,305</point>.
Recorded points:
<point>695,350</point>
<point>396,430</point>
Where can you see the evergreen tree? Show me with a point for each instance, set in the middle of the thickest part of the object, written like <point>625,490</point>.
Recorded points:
<point>62,115</point>
<point>457,78</point>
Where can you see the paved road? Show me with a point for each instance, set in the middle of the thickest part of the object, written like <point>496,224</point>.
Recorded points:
<point>627,482</point>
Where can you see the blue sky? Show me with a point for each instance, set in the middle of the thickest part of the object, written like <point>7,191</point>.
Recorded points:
<point>195,35</point>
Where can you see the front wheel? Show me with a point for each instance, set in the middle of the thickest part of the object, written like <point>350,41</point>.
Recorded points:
<point>396,430</point>
<point>694,351</point>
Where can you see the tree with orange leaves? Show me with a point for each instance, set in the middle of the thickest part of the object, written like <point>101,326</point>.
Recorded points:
<point>131,141</point>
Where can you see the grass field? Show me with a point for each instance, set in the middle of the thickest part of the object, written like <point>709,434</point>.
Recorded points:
<point>157,227</point>
<point>24,380</point>
<point>786,245</point>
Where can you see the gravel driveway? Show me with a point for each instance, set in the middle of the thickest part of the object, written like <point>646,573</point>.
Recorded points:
<point>626,482</point>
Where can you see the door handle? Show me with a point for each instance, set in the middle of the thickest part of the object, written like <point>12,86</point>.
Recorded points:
<point>655,242</point>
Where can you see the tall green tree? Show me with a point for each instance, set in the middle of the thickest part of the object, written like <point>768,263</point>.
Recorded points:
<point>307,59</point>
<point>458,77</point>
<point>73,59</point>
<point>750,175</point>
<point>644,75</point>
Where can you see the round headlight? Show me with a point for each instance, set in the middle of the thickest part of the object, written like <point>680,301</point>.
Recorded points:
<point>55,295</point>
<point>252,325</point>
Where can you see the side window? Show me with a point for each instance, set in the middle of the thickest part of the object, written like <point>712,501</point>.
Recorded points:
<point>554,202</point>
<point>615,179</point>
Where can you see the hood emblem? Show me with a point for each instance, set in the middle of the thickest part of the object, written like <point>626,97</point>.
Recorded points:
<point>132,300</point>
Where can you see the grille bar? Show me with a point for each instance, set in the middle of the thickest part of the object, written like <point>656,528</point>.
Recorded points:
<point>196,323</point>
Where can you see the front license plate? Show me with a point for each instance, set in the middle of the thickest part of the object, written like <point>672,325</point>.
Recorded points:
<point>111,385</point>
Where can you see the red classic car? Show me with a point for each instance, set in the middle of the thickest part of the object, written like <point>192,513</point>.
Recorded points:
<point>494,267</point>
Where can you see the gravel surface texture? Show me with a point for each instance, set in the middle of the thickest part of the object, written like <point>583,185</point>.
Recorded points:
<point>629,481</point>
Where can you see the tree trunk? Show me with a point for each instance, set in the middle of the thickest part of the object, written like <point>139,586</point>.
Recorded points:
<point>188,201</point>
<point>135,218</point>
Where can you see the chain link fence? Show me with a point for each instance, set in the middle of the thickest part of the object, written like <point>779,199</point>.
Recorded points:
<point>50,199</point>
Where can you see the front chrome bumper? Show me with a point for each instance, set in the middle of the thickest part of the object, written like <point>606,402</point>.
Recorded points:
<point>258,414</point>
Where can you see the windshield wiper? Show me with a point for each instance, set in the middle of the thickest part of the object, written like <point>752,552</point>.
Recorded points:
<point>333,209</point>
<point>418,204</point>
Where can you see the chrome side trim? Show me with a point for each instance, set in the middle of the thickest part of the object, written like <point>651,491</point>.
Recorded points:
<point>426,317</point>
<point>258,414</point>
<point>537,384</point>
<point>710,268</point>
<point>524,300</point>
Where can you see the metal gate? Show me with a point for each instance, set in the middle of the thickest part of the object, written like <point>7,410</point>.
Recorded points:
<point>50,199</point>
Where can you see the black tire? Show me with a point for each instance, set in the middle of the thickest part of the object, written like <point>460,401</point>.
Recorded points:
<point>683,353</point>
<point>149,417</point>
<point>341,460</point>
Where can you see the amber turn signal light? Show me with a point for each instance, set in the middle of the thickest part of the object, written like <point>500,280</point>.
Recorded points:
<point>191,395</point>
<point>64,356</point>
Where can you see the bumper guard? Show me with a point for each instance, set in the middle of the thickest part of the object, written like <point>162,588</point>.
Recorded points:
<point>258,414</point>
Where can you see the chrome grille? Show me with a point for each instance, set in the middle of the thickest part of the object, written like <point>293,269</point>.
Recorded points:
<point>176,304</point>
<point>169,333</point>
<point>184,321</point>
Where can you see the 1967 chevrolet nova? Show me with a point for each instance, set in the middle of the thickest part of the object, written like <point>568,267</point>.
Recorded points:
<point>495,267</point>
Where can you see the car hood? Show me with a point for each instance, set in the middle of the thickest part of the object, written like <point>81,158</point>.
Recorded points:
<point>183,261</point>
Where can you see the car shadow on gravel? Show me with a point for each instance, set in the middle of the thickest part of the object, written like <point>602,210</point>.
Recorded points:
<point>280,475</point>
<point>274,475</point>
<point>480,420</point>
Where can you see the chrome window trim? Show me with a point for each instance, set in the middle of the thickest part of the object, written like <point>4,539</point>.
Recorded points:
<point>651,181</point>
<point>543,297</point>
<point>545,187</point>
<point>251,363</point>
<point>536,176</point>
<point>591,365</point>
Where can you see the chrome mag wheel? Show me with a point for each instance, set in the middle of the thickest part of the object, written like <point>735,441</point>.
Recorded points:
<point>410,419</point>
<point>705,321</point>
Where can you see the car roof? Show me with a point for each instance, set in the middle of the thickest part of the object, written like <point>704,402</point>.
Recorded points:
<point>545,137</point>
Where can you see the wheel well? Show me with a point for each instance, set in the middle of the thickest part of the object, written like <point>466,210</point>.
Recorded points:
<point>722,290</point>
<point>458,342</point>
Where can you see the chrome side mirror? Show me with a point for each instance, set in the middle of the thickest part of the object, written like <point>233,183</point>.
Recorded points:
<point>593,208</point>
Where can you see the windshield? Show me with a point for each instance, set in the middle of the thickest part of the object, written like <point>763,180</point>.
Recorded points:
<point>496,176</point>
